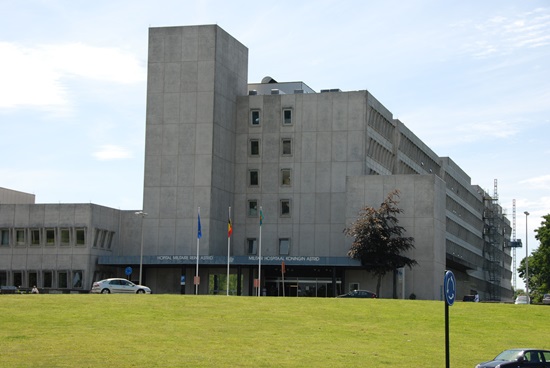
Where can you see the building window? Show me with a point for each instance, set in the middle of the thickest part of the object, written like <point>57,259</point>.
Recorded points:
<point>109,239</point>
<point>62,279</point>
<point>48,279</point>
<point>77,279</point>
<point>101,239</point>
<point>251,245</point>
<point>255,117</point>
<point>80,236</point>
<point>18,278</point>
<point>254,146</point>
<point>50,236</point>
<point>285,177</point>
<point>3,278</point>
<point>35,237</point>
<point>286,147</point>
<point>33,278</point>
<point>20,236</point>
<point>253,208</point>
<point>254,178</point>
<point>285,207</point>
<point>65,236</point>
<point>287,116</point>
<point>284,246</point>
<point>97,234</point>
<point>5,237</point>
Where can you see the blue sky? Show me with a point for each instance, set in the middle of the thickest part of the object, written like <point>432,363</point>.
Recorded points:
<point>470,78</point>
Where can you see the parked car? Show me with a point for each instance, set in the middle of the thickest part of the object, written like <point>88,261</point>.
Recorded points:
<point>546,299</point>
<point>522,299</point>
<point>120,286</point>
<point>519,358</point>
<point>359,294</point>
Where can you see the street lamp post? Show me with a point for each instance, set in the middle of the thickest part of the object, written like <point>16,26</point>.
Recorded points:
<point>526,258</point>
<point>142,215</point>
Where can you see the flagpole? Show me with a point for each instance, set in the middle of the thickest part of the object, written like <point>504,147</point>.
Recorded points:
<point>260,254</point>
<point>199,234</point>
<point>228,247</point>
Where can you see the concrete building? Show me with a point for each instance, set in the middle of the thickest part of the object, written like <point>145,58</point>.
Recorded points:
<point>307,161</point>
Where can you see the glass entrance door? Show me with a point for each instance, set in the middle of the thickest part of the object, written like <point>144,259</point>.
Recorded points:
<point>303,287</point>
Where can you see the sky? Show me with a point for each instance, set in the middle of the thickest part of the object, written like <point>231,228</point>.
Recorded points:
<point>470,78</point>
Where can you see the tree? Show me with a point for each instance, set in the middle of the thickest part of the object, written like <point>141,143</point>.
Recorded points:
<point>539,263</point>
<point>378,239</point>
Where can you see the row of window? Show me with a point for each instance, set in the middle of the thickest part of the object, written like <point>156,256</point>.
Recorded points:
<point>52,236</point>
<point>284,246</point>
<point>254,147</point>
<point>64,279</point>
<point>284,208</point>
<point>254,177</point>
<point>255,116</point>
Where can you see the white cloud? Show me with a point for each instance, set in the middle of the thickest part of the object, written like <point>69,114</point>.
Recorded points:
<point>112,152</point>
<point>539,182</point>
<point>26,80</point>
<point>502,35</point>
<point>39,76</point>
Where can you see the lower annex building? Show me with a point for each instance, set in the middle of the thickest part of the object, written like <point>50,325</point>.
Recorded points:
<point>305,161</point>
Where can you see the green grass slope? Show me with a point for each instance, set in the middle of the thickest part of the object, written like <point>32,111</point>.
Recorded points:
<point>219,331</point>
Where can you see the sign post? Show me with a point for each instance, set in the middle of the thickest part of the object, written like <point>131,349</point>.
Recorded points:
<point>449,287</point>
<point>128,271</point>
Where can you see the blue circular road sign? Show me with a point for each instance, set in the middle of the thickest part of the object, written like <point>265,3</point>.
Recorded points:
<point>128,271</point>
<point>449,286</point>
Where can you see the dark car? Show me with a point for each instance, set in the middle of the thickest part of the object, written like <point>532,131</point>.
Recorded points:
<point>519,358</point>
<point>359,294</point>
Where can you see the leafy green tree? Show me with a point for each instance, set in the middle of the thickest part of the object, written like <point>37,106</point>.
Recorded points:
<point>539,263</point>
<point>378,239</point>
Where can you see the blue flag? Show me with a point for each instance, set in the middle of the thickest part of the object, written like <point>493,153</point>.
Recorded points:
<point>199,232</point>
<point>261,216</point>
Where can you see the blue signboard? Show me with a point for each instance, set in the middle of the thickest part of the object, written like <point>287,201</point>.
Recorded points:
<point>449,287</point>
<point>128,271</point>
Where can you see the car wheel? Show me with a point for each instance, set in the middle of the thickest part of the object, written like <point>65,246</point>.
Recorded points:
<point>140,291</point>
<point>105,291</point>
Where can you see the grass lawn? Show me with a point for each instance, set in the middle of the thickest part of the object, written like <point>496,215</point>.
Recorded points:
<point>219,331</point>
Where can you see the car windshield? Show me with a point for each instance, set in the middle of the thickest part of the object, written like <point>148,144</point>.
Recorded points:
<point>509,355</point>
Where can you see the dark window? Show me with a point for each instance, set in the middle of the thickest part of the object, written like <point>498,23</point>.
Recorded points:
<point>4,237</point>
<point>35,237</point>
<point>48,279</point>
<point>287,116</point>
<point>284,246</point>
<point>20,237</point>
<point>254,177</point>
<point>63,279</point>
<point>50,236</point>
<point>254,147</point>
<point>18,278</point>
<point>286,146</point>
<point>252,208</point>
<point>80,237</point>
<point>33,278</point>
<point>285,177</point>
<point>255,117</point>
<point>251,245</point>
<point>285,207</point>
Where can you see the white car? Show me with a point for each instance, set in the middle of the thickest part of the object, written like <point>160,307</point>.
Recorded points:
<point>119,286</point>
<point>522,299</point>
<point>546,299</point>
